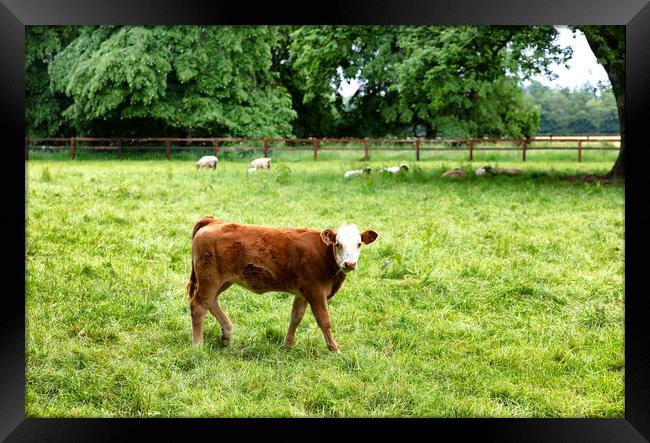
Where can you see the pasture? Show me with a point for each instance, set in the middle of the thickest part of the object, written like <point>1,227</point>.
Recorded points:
<point>482,297</point>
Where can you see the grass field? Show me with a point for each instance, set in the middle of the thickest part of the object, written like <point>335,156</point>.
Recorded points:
<point>483,297</point>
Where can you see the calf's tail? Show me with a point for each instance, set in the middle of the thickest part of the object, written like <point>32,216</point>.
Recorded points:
<point>192,286</point>
<point>205,220</point>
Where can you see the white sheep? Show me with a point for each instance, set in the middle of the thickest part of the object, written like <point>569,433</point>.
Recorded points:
<point>261,163</point>
<point>207,161</point>
<point>396,169</point>
<point>356,172</point>
<point>455,173</point>
<point>509,171</point>
<point>494,171</point>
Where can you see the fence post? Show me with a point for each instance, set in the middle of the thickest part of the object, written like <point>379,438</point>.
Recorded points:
<point>315,143</point>
<point>523,151</point>
<point>167,149</point>
<point>26,148</point>
<point>266,146</point>
<point>119,148</point>
<point>215,146</point>
<point>72,148</point>
<point>471,150</point>
<point>580,150</point>
<point>365,149</point>
<point>417,149</point>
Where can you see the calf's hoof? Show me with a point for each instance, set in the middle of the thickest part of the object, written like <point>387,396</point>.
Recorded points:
<point>225,339</point>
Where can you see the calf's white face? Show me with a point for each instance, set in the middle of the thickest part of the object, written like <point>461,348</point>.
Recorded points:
<point>347,244</point>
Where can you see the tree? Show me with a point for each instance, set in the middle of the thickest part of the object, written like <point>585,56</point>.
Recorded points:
<point>323,57</point>
<point>43,107</point>
<point>608,45</point>
<point>586,110</point>
<point>318,117</point>
<point>188,80</point>
<point>461,80</point>
<point>453,81</point>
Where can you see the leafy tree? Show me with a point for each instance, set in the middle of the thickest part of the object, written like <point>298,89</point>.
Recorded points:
<point>451,81</point>
<point>187,80</point>
<point>43,107</point>
<point>581,111</point>
<point>317,54</point>
<point>318,118</point>
<point>460,81</point>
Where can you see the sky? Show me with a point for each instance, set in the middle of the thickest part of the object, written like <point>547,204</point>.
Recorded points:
<point>583,67</point>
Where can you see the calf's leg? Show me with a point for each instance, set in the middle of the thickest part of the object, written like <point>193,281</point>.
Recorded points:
<point>321,313</point>
<point>297,312</point>
<point>202,300</point>
<point>198,311</point>
<point>222,318</point>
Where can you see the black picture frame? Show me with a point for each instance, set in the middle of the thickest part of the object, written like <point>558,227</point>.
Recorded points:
<point>15,14</point>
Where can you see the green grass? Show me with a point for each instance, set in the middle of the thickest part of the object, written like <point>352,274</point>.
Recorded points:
<point>482,297</point>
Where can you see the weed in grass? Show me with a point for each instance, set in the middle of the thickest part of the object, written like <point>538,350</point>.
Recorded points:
<point>282,174</point>
<point>46,176</point>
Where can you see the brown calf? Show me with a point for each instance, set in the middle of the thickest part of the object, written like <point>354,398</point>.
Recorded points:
<point>311,265</point>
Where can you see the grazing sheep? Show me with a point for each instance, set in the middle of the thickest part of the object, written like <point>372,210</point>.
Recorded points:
<point>455,173</point>
<point>396,169</point>
<point>356,172</point>
<point>261,163</point>
<point>494,171</point>
<point>207,161</point>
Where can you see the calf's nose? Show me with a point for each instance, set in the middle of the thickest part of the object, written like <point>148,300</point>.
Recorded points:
<point>350,265</point>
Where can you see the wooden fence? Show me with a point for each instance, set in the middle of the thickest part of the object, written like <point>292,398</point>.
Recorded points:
<point>266,145</point>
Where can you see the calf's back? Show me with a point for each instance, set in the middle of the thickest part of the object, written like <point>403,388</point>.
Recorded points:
<point>262,258</point>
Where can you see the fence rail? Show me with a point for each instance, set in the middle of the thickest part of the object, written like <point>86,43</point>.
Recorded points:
<point>121,145</point>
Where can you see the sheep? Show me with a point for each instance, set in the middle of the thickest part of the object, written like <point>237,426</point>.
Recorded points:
<point>396,169</point>
<point>509,171</point>
<point>484,170</point>
<point>454,173</point>
<point>494,171</point>
<point>207,161</point>
<point>356,172</point>
<point>260,163</point>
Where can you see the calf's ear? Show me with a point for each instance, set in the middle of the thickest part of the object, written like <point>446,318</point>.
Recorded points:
<point>369,236</point>
<point>328,236</point>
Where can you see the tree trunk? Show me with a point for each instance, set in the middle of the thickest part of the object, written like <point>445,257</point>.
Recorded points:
<point>618,170</point>
<point>608,45</point>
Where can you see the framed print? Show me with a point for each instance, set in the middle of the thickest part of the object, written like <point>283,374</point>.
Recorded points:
<point>163,154</point>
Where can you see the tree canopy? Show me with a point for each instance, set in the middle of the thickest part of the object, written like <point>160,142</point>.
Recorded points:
<point>172,79</point>
<point>43,107</point>
<point>426,80</point>
<point>282,81</point>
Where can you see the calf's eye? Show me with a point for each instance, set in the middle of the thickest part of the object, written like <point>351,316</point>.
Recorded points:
<point>358,245</point>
